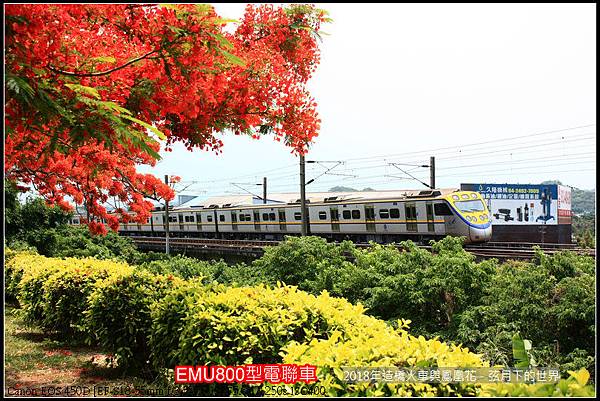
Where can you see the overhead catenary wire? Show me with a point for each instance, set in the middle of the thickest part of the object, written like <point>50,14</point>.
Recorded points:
<point>439,155</point>
<point>514,149</point>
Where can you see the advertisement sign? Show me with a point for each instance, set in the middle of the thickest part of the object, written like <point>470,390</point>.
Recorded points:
<point>564,205</point>
<point>522,204</point>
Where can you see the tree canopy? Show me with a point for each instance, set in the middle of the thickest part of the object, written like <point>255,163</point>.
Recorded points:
<point>91,90</point>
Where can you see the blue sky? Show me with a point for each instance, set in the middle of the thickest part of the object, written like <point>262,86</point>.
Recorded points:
<point>496,92</point>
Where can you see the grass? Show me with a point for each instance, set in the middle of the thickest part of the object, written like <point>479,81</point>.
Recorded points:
<point>34,359</point>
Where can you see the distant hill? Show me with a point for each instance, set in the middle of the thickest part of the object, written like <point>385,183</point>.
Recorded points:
<point>582,200</point>
<point>349,189</point>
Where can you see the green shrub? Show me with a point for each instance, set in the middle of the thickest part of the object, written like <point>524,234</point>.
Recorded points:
<point>186,267</point>
<point>551,301</point>
<point>430,289</point>
<point>66,291</point>
<point>79,242</point>
<point>13,271</point>
<point>141,316</point>
<point>35,271</point>
<point>168,319</point>
<point>302,260</point>
<point>118,314</point>
<point>573,386</point>
<point>236,326</point>
<point>233,326</point>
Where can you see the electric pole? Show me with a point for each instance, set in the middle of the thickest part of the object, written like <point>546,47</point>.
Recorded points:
<point>432,172</point>
<point>303,196</point>
<point>167,218</point>
<point>264,189</point>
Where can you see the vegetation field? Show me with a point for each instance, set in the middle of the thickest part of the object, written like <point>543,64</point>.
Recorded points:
<point>79,298</point>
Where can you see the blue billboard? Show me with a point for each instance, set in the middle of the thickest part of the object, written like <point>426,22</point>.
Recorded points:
<point>519,204</point>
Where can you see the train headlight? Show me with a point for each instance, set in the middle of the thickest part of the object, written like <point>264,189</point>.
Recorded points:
<point>474,196</point>
<point>482,217</point>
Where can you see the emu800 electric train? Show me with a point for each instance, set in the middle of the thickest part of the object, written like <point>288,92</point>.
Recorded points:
<point>380,216</point>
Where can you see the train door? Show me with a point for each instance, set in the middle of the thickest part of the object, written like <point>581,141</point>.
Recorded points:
<point>410,210</point>
<point>256,220</point>
<point>234,225</point>
<point>282,224</point>
<point>216,223</point>
<point>335,219</point>
<point>180,217</point>
<point>370,218</point>
<point>199,221</point>
<point>429,209</point>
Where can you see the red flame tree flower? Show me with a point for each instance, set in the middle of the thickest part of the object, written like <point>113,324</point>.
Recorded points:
<point>90,90</point>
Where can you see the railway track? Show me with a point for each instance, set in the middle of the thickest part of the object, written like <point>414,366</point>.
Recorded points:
<point>500,250</point>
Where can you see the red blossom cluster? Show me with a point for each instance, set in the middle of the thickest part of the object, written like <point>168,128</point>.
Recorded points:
<point>92,88</point>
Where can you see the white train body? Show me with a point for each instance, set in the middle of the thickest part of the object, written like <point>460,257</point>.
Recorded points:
<point>386,216</point>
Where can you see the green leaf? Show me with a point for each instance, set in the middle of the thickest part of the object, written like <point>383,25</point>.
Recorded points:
<point>84,89</point>
<point>222,40</point>
<point>232,58</point>
<point>224,20</point>
<point>105,59</point>
<point>298,26</point>
<point>19,85</point>
<point>146,125</point>
<point>203,8</point>
<point>114,107</point>
<point>169,6</point>
<point>519,352</point>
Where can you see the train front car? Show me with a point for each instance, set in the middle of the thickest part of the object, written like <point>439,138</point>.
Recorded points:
<point>472,217</point>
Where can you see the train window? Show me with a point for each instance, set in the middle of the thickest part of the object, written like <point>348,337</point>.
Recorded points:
<point>173,219</point>
<point>180,218</point>
<point>209,218</point>
<point>191,219</point>
<point>221,217</point>
<point>187,219</point>
<point>322,215</point>
<point>346,214</point>
<point>242,217</point>
<point>395,213</point>
<point>265,217</point>
<point>298,216</point>
<point>356,214</point>
<point>384,213</point>
<point>442,209</point>
<point>272,216</point>
<point>248,217</point>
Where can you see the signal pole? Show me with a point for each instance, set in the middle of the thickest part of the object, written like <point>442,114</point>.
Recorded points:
<point>303,196</point>
<point>432,172</point>
<point>264,189</point>
<point>167,219</point>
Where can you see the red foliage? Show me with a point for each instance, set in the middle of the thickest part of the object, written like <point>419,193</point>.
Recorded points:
<point>174,67</point>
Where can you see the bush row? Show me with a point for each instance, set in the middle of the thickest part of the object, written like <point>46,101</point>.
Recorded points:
<point>153,322</point>
<point>445,292</point>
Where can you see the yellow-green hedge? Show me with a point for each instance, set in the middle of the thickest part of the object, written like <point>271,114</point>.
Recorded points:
<point>144,317</point>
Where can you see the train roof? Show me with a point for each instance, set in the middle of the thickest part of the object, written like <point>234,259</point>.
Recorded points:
<point>312,197</point>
